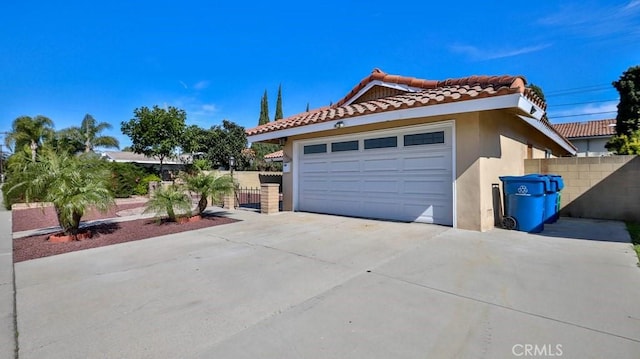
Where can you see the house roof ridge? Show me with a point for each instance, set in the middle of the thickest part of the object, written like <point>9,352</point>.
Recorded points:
<point>432,92</point>
<point>592,128</point>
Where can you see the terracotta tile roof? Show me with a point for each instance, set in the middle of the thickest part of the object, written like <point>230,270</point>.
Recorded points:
<point>587,129</point>
<point>272,155</point>
<point>432,93</point>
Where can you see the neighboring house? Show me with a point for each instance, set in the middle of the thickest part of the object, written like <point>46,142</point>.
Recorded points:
<point>589,137</point>
<point>274,156</point>
<point>407,149</point>
<point>168,165</point>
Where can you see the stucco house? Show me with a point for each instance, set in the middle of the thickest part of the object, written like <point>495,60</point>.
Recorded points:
<point>408,149</point>
<point>589,137</point>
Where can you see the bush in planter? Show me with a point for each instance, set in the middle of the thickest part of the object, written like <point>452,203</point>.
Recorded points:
<point>208,185</point>
<point>169,201</point>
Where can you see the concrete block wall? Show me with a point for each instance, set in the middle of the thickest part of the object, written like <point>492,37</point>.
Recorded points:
<point>252,179</point>
<point>595,187</point>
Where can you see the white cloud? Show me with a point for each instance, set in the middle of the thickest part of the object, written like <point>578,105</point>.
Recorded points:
<point>594,20</point>
<point>183,84</point>
<point>201,85</point>
<point>209,107</point>
<point>478,54</point>
<point>632,4</point>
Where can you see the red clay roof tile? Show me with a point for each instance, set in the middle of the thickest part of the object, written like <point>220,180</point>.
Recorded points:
<point>432,93</point>
<point>587,129</point>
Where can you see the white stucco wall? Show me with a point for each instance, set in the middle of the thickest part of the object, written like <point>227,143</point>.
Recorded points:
<point>591,147</point>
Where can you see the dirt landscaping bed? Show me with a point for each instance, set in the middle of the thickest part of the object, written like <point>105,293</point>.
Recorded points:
<point>107,234</point>
<point>36,216</point>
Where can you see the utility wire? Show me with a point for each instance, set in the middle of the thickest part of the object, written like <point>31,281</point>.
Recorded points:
<point>583,114</point>
<point>579,88</point>
<point>577,92</point>
<point>580,103</point>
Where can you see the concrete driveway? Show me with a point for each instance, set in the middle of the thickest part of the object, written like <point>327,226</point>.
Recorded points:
<point>298,285</point>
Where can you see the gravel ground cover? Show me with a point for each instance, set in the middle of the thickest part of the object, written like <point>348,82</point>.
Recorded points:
<point>42,217</point>
<point>105,234</point>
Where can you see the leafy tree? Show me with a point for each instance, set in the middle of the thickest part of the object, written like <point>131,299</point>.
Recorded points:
<point>624,144</point>
<point>192,141</point>
<point>155,132</point>
<point>88,134</point>
<point>208,185</point>
<point>264,110</point>
<point>71,183</point>
<point>169,201</point>
<point>224,141</point>
<point>31,132</point>
<point>537,90</point>
<point>279,114</point>
<point>628,118</point>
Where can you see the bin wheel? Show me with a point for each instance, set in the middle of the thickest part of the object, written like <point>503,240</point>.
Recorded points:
<point>509,223</point>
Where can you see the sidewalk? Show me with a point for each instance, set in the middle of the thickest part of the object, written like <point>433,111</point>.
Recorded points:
<point>7,290</point>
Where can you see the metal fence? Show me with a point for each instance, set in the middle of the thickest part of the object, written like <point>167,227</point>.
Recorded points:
<point>248,197</point>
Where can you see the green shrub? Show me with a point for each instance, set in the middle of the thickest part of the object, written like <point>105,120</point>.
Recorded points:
<point>142,188</point>
<point>124,178</point>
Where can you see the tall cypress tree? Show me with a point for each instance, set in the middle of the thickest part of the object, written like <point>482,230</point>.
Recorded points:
<point>264,110</point>
<point>279,105</point>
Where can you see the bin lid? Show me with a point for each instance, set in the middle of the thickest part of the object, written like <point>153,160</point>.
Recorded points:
<point>526,185</point>
<point>557,179</point>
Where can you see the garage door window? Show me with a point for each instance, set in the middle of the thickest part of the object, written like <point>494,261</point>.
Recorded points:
<point>344,146</point>
<point>428,138</point>
<point>382,142</point>
<point>310,149</point>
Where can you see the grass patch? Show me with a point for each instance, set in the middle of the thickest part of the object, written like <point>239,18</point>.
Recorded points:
<point>634,232</point>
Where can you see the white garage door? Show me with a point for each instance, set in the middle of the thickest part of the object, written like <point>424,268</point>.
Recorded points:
<point>404,174</point>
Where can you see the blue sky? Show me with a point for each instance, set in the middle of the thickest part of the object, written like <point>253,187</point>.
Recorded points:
<point>215,59</point>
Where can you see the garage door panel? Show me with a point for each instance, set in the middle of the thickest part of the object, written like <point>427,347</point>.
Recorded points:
<point>437,163</point>
<point>348,186</point>
<point>381,164</point>
<point>380,186</point>
<point>316,167</point>
<point>347,166</point>
<point>435,187</point>
<point>412,183</point>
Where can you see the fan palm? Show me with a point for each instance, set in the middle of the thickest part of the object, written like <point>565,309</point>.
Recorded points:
<point>71,183</point>
<point>28,131</point>
<point>206,185</point>
<point>89,134</point>
<point>169,201</point>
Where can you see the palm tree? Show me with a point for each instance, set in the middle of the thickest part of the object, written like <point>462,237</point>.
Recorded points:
<point>207,185</point>
<point>167,201</point>
<point>89,134</point>
<point>71,183</point>
<point>28,131</point>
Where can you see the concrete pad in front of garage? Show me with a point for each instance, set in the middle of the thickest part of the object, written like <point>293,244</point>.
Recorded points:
<point>314,286</point>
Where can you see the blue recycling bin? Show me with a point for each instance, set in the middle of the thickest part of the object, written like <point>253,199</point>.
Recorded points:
<point>552,203</point>
<point>525,202</point>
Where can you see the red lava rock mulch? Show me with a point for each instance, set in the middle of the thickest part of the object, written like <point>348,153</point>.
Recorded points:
<point>107,234</point>
<point>42,217</point>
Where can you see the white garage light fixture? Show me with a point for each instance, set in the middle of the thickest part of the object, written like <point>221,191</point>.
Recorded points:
<point>339,124</point>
